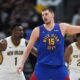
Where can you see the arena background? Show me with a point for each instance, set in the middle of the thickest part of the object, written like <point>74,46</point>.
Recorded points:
<point>28,13</point>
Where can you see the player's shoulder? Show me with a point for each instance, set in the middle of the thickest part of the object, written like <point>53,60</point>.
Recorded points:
<point>23,39</point>
<point>3,41</point>
<point>69,47</point>
<point>7,39</point>
<point>63,24</point>
<point>3,44</point>
<point>36,30</point>
<point>74,43</point>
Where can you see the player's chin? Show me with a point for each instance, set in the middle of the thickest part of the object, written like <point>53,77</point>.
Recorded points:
<point>46,22</point>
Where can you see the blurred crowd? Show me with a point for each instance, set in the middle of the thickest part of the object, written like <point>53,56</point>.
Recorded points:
<point>27,12</point>
<point>17,11</point>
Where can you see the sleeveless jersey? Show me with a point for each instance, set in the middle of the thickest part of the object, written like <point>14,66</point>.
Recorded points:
<point>51,46</point>
<point>12,55</point>
<point>75,58</point>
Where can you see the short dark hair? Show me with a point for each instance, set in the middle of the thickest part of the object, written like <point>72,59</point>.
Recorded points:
<point>15,25</point>
<point>49,9</point>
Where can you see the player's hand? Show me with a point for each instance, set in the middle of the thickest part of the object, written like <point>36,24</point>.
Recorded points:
<point>20,68</point>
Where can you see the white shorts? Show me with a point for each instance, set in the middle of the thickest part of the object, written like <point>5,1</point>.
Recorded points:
<point>74,75</point>
<point>11,76</point>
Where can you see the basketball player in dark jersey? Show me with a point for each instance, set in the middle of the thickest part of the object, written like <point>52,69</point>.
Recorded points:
<point>50,59</point>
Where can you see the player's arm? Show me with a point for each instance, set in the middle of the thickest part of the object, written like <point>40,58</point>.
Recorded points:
<point>67,54</point>
<point>3,45</point>
<point>33,50</point>
<point>33,38</point>
<point>70,29</point>
<point>0,46</point>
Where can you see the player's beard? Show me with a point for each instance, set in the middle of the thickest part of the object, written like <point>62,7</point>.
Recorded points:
<point>46,21</point>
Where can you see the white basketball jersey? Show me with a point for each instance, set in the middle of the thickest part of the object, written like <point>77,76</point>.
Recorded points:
<point>12,55</point>
<point>75,58</point>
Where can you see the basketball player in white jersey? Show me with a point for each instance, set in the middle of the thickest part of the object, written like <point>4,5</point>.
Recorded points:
<point>11,51</point>
<point>72,56</point>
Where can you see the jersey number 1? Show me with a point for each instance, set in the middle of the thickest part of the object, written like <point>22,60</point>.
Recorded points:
<point>15,61</point>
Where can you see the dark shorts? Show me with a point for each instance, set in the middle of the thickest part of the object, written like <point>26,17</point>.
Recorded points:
<point>49,72</point>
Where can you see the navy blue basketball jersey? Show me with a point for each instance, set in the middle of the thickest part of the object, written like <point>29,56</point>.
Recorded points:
<point>51,46</point>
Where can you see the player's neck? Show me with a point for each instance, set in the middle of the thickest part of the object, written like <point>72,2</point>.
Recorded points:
<point>49,25</point>
<point>15,40</point>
